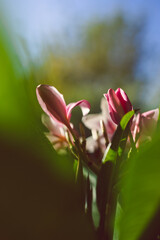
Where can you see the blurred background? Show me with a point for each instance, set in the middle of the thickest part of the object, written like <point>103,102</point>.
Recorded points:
<point>82,48</point>
<point>85,47</point>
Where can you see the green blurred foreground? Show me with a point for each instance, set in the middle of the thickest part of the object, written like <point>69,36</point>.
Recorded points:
<point>38,195</point>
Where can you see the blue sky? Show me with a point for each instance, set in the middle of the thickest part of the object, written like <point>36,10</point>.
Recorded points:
<point>37,21</point>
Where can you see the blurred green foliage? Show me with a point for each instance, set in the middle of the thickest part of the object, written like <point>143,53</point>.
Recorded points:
<point>141,194</point>
<point>105,54</point>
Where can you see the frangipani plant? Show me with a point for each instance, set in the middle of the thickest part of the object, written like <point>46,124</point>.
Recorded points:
<point>111,129</point>
<point>53,104</point>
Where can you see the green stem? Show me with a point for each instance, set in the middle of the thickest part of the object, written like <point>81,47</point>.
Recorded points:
<point>83,155</point>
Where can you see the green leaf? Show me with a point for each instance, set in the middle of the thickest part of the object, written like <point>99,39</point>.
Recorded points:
<point>103,184</point>
<point>124,121</point>
<point>103,191</point>
<point>141,193</point>
<point>110,155</point>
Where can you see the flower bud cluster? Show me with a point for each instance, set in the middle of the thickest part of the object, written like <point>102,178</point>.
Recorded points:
<point>114,106</point>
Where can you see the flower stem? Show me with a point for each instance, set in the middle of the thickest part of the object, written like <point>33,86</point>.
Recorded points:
<point>83,154</point>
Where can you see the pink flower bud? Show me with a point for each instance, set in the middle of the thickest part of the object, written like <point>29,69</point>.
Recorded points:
<point>53,104</point>
<point>118,104</point>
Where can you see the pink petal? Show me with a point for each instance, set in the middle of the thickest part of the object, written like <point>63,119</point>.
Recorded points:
<point>136,126</point>
<point>83,104</point>
<point>52,103</point>
<point>150,118</point>
<point>114,102</point>
<point>116,118</point>
<point>111,127</point>
<point>55,128</point>
<point>123,98</point>
<point>152,114</point>
<point>58,143</point>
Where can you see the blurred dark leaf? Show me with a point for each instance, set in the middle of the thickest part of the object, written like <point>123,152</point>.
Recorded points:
<point>103,191</point>
<point>89,194</point>
<point>80,184</point>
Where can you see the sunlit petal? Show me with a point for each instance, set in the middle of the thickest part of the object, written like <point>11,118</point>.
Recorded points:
<point>83,104</point>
